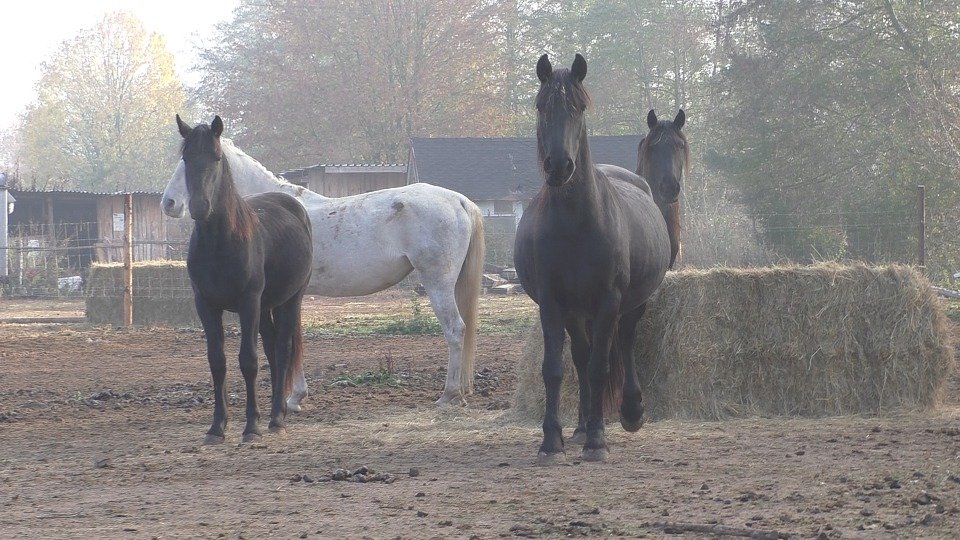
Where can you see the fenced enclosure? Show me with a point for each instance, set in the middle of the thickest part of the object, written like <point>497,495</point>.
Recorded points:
<point>55,259</point>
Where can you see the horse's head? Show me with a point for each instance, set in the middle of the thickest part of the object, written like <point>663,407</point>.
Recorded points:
<point>663,155</point>
<point>561,103</point>
<point>202,165</point>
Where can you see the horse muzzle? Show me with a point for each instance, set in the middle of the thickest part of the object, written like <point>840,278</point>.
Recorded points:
<point>558,174</point>
<point>172,208</point>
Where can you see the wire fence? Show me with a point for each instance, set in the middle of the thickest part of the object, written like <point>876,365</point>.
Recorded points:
<point>55,261</point>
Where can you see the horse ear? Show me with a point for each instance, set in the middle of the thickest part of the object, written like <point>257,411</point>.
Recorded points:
<point>544,69</point>
<point>680,119</point>
<point>652,119</point>
<point>579,69</point>
<point>183,127</point>
<point>216,126</point>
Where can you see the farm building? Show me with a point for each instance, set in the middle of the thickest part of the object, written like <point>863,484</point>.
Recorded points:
<point>501,175</point>
<point>346,180</point>
<point>81,227</point>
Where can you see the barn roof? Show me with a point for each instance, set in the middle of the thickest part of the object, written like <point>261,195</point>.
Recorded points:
<point>80,192</point>
<point>500,168</point>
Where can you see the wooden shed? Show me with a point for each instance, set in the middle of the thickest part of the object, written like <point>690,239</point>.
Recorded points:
<point>85,226</point>
<point>346,180</point>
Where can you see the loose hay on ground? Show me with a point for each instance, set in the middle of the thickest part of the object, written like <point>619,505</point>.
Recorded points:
<point>810,341</point>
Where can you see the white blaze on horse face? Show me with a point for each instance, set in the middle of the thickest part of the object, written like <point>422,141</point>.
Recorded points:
<point>174,197</point>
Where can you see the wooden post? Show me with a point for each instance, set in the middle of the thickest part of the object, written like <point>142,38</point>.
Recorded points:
<point>128,260</point>
<point>922,227</point>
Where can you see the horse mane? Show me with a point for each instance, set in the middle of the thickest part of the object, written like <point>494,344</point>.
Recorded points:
<point>243,159</point>
<point>240,217</point>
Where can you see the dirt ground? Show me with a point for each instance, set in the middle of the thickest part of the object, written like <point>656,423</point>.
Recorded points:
<point>100,433</point>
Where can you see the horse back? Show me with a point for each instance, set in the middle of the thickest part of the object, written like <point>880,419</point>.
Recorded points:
<point>613,172</point>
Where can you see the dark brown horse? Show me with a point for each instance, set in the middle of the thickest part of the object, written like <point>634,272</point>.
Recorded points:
<point>250,256</point>
<point>591,249</point>
<point>663,155</point>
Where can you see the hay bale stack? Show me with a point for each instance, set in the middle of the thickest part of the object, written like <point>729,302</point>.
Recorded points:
<point>809,341</point>
<point>162,294</point>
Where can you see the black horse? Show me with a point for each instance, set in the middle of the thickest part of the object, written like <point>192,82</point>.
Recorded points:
<point>250,256</point>
<point>662,156</point>
<point>591,249</point>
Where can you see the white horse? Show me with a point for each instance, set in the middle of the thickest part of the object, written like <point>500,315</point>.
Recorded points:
<point>365,243</point>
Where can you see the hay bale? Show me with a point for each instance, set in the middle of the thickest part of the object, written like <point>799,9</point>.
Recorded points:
<point>161,294</point>
<point>808,341</point>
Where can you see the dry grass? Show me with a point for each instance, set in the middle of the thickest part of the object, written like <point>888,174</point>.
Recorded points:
<point>797,341</point>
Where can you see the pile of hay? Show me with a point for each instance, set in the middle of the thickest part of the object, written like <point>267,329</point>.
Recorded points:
<point>799,341</point>
<point>161,294</point>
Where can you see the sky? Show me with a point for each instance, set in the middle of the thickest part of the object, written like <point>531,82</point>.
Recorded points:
<point>33,30</point>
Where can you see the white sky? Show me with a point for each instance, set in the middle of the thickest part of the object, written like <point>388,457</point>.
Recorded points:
<point>33,29</point>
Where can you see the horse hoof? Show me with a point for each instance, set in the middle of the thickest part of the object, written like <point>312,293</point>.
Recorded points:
<point>631,426</point>
<point>595,454</point>
<point>213,439</point>
<point>252,437</point>
<point>578,438</point>
<point>546,459</point>
<point>293,406</point>
<point>278,430</point>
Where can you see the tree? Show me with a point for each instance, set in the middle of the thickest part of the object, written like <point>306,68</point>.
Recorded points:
<point>826,117</point>
<point>340,80</point>
<point>102,120</point>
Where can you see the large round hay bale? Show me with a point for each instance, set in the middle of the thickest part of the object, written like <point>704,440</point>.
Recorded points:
<point>810,341</point>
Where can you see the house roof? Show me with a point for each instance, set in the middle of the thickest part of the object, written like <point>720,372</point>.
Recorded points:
<point>501,168</point>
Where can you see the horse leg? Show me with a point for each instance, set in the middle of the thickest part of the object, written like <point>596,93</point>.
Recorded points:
<point>286,318</point>
<point>212,321</point>
<point>445,307</point>
<point>268,334</point>
<point>580,349</point>
<point>249,313</point>
<point>595,448</point>
<point>631,408</point>
<point>299,391</point>
<point>551,451</point>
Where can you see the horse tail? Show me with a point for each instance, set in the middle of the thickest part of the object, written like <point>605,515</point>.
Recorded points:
<point>613,394</point>
<point>295,368</point>
<point>467,294</point>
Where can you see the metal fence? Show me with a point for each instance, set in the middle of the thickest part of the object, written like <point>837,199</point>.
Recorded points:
<point>45,261</point>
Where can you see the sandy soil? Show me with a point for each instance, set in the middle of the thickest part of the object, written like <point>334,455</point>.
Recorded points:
<point>100,433</point>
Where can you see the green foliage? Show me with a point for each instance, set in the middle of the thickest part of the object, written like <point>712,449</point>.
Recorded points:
<point>419,323</point>
<point>102,120</point>
<point>385,375</point>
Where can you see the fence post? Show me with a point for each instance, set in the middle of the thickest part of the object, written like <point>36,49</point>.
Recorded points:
<point>922,228</point>
<point>128,260</point>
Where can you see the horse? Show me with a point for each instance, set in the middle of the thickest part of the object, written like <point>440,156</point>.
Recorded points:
<point>250,256</point>
<point>662,157</point>
<point>368,242</point>
<point>591,248</point>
